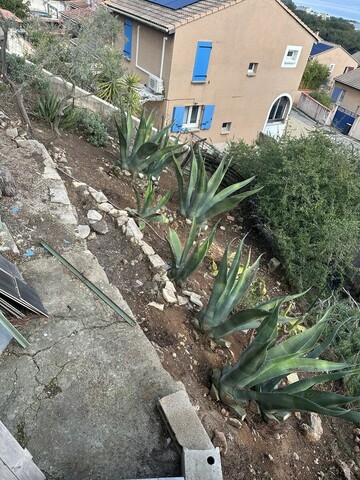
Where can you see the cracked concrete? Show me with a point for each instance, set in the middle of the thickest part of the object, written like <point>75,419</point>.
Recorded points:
<point>83,396</point>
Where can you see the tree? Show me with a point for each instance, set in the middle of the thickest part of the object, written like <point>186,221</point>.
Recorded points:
<point>17,7</point>
<point>79,54</point>
<point>315,75</point>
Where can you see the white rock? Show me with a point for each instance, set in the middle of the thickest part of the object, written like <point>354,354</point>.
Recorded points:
<point>156,261</point>
<point>12,133</point>
<point>188,221</point>
<point>187,293</point>
<point>141,175</point>
<point>169,295</point>
<point>196,299</point>
<point>94,216</point>
<point>132,230</point>
<point>59,195</point>
<point>105,207</point>
<point>82,231</point>
<point>120,221</point>
<point>114,212</point>
<point>158,306</point>
<point>170,286</point>
<point>222,228</point>
<point>127,173</point>
<point>147,249</point>
<point>79,184</point>
<point>99,197</point>
<point>182,300</point>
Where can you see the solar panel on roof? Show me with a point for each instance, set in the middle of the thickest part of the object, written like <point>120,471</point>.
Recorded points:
<point>319,48</point>
<point>174,4</point>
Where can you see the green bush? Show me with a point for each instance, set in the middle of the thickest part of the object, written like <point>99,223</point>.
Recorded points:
<point>310,205</point>
<point>22,72</point>
<point>323,97</point>
<point>90,124</point>
<point>315,75</point>
<point>46,109</point>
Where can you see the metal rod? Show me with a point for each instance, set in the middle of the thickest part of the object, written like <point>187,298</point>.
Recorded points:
<point>89,284</point>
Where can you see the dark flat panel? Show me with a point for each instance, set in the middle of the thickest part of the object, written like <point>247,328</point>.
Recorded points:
<point>174,4</point>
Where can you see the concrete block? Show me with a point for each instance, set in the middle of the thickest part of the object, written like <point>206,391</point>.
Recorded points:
<point>183,423</point>
<point>201,464</point>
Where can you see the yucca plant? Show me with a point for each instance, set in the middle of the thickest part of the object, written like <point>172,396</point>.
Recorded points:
<point>230,288</point>
<point>145,150</point>
<point>200,198</point>
<point>184,263</point>
<point>47,107</point>
<point>259,374</point>
<point>147,208</point>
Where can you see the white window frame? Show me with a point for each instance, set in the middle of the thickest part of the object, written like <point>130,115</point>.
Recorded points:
<point>291,61</point>
<point>331,67</point>
<point>252,69</point>
<point>187,116</point>
<point>225,130</point>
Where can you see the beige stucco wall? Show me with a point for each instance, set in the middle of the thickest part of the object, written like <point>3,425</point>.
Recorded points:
<point>251,31</point>
<point>340,58</point>
<point>351,100</point>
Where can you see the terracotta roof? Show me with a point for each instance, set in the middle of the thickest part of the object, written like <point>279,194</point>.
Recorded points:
<point>77,14</point>
<point>352,78</point>
<point>7,15</point>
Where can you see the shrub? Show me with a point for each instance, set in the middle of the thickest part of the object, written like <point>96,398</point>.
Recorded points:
<point>315,75</point>
<point>322,97</point>
<point>24,73</point>
<point>260,373</point>
<point>310,204</point>
<point>47,106</point>
<point>90,124</point>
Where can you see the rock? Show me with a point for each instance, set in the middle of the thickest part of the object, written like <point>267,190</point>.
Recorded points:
<point>273,264</point>
<point>12,133</point>
<point>118,213</point>
<point>3,116</point>
<point>270,457</point>
<point>187,293</point>
<point>222,228</point>
<point>169,295</point>
<point>7,183</point>
<point>120,221</point>
<point>158,306</point>
<point>345,469</point>
<point>188,221</point>
<point>292,378</point>
<point>170,286</point>
<point>230,218</point>
<point>147,249</point>
<point>100,227</point>
<point>94,216</point>
<point>59,195</point>
<point>182,300</point>
<point>82,231</point>
<point>79,184</point>
<point>141,175</point>
<point>196,300</point>
<point>219,440</point>
<point>234,422</point>
<point>356,431</point>
<point>7,243</point>
<point>277,436</point>
<point>127,173</point>
<point>156,261</point>
<point>314,431</point>
<point>139,283</point>
<point>99,197</point>
<point>105,207</point>
<point>157,278</point>
<point>295,457</point>
<point>132,230</point>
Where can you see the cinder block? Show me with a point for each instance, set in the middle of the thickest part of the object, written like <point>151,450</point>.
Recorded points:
<point>201,464</point>
<point>183,423</point>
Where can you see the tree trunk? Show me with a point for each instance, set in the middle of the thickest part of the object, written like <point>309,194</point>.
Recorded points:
<point>20,101</point>
<point>3,52</point>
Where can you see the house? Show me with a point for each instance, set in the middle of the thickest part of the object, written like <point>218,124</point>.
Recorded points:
<point>346,95</point>
<point>335,57</point>
<point>356,55</point>
<point>224,69</point>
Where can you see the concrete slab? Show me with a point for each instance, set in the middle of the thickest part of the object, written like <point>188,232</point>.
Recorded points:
<point>83,397</point>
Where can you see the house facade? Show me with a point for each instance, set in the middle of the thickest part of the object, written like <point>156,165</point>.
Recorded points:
<point>335,57</point>
<point>224,69</point>
<point>346,96</point>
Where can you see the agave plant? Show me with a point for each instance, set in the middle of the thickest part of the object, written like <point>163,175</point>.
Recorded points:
<point>147,208</point>
<point>229,290</point>
<point>259,374</point>
<point>183,264</point>
<point>145,150</point>
<point>200,199</point>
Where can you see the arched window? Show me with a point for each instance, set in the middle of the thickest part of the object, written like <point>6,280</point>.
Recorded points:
<point>279,110</point>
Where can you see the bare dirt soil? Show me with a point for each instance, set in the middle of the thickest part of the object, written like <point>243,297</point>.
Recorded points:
<point>255,449</point>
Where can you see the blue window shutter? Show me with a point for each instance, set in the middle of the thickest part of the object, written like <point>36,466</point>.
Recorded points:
<point>207,117</point>
<point>201,61</point>
<point>335,94</point>
<point>128,38</point>
<point>178,115</point>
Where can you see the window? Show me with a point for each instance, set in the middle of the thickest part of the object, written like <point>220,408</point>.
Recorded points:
<point>192,117</point>
<point>341,96</point>
<point>348,69</point>
<point>202,60</point>
<point>331,67</point>
<point>128,39</point>
<point>291,57</point>
<point>225,128</point>
<point>279,110</point>
<point>252,69</point>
